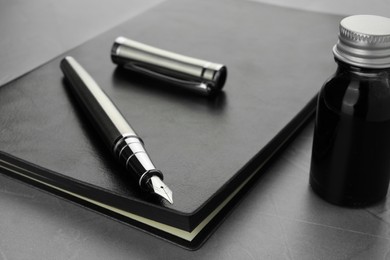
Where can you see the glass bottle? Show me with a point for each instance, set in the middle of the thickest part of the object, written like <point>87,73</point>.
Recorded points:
<point>350,163</point>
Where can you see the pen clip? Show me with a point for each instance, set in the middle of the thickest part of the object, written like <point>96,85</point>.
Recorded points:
<point>165,75</point>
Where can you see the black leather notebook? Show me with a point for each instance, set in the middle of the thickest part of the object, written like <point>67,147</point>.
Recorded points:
<point>209,149</point>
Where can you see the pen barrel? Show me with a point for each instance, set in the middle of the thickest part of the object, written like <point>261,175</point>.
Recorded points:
<point>118,135</point>
<point>101,111</point>
<point>131,153</point>
<point>200,76</point>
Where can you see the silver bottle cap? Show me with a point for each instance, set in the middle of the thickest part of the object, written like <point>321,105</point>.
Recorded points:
<point>364,41</point>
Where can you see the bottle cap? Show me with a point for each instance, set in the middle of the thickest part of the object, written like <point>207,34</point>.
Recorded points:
<point>364,41</point>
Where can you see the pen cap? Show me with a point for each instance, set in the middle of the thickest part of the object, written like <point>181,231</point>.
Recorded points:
<point>206,78</point>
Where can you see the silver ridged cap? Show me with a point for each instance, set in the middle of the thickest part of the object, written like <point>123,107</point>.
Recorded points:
<point>364,41</point>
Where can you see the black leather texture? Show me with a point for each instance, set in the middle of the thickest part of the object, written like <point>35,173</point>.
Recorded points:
<point>205,147</point>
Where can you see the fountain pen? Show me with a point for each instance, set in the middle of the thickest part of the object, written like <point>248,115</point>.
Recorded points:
<point>115,132</point>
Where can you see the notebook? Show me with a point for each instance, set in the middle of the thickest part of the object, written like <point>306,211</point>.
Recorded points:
<point>211,150</point>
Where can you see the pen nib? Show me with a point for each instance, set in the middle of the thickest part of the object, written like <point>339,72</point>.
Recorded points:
<point>161,189</point>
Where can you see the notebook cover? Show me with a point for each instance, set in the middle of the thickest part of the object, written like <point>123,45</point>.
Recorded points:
<point>277,59</point>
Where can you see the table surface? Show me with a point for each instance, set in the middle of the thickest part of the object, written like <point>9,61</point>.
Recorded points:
<point>280,218</point>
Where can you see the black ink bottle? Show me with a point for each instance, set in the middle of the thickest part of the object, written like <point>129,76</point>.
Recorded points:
<point>350,163</point>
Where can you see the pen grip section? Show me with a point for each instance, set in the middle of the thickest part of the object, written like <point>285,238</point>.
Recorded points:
<point>131,153</point>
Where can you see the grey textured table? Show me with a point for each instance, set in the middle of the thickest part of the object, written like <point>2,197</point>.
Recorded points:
<point>280,218</point>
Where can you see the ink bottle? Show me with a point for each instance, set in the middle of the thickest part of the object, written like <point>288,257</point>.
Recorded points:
<point>350,164</point>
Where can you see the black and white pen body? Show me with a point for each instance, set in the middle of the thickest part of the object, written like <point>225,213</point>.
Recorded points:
<point>115,131</point>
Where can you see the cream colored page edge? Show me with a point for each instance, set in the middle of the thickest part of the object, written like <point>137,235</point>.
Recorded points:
<point>189,236</point>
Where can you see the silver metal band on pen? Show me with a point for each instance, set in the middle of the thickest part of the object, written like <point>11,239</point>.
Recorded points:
<point>129,149</point>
